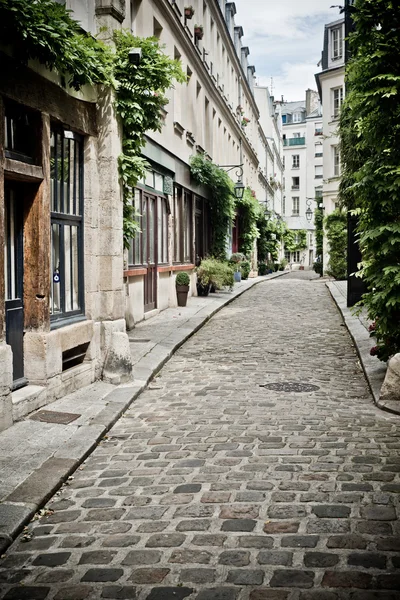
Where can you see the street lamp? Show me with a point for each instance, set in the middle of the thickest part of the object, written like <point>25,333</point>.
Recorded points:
<point>239,185</point>
<point>309,212</point>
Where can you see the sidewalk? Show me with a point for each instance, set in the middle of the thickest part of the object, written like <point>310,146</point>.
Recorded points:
<point>37,457</point>
<point>374,369</point>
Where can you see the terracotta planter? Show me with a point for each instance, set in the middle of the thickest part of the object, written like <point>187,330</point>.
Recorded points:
<point>182,294</point>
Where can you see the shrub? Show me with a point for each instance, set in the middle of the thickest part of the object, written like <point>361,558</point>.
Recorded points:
<point>245,269</point>
<point>336,231</point>
<point>262,268</point>
<point>215,272</point>
<point>182,278</point>
<point>318,267</point>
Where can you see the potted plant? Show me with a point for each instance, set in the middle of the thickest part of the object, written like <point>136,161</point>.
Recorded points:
<point>182,283</point>
<point>245,268</point>
<point>198,32</point>
<point>189,12</point>
<point>245,121</point>
<point>235,260</point>
<point>203,283</point>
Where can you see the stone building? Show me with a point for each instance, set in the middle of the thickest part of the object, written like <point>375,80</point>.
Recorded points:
<point>331,90</point>
<point>303,156</point>
<point>68,291</point>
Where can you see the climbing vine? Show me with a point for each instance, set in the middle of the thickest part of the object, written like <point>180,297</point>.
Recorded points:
<point>248,209</point>
<point>270,239</point>
<point>370,152</point>
<point>222,201</point>
<point>336,233</point>
<point>295,239</point>
<point>140,98</point>
<point>45,31</point>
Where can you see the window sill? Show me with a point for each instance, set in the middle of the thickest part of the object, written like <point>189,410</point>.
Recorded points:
<point>63,322</point>
<point>135,272</point>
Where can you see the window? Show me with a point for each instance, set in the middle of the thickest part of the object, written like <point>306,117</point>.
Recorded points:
<point>296,161</point>
<point>296,118</point>
<point>153,229</point>
<point>337,101</point>
<point>310,239</point>
<point>20,132</point>
<point>296,256</point>
<point>337,43</point>
<point>66,174</point>
<point>319,171</point>
<point>295,206</point>
<point>284,205</point>
<point>318,150</point>
<point>296,135</point>
<point>336,161</point>
<point>295,183</point>
<point>287,255</point>
<point>283,119</point>
<point>182,211</point>
<point>135,253</point>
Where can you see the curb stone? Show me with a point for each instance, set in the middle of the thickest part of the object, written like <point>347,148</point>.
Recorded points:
<point>373,368</point>
<point>18,508</point>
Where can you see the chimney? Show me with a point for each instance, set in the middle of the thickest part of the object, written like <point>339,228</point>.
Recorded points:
<point>312,101</point>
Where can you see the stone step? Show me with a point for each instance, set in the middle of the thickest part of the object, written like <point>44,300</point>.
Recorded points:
<point>27,399</point>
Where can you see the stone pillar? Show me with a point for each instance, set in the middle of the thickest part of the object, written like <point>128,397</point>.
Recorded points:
<point>110,304</point>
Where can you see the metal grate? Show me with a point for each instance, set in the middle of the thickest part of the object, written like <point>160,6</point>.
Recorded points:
<point>288,386</point>
<point>51,416</point>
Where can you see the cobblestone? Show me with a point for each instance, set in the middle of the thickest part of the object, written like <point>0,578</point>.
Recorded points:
<point>211,487</point>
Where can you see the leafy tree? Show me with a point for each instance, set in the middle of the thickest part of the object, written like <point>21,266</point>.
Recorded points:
<point>249,210</point>
<point>336,231</point>
<point>370,150</point>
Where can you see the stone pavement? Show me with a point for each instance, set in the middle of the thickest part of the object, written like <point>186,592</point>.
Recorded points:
<point>37,457</point>
<point>254,467</point>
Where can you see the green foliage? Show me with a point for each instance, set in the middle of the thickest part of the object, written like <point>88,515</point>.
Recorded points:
<point>44,30</point>
<point>262,268</point>
<point>215,272</point>
<point>295,239</point>
<point>222,201</point>
<point>249,210</point>
<point>245,268</point>
<point>182,278</point>
<point>318,267</point>
<point>140,98</point>
<point>270,237</point>
<point>336,232</point>
<point>319,229</point>
<point>370,151</point>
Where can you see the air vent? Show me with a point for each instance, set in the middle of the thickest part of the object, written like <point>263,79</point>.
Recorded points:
<point>74,356</point>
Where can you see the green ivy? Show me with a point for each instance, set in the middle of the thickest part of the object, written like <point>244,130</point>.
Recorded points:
<point>249,210</point>
<point>370,151</point>
<point>140,98</point>
<point>295,240</point>
<point>336,233</point>
<point>222,200</point>
<point>44,30</point>
<point>270,238</point>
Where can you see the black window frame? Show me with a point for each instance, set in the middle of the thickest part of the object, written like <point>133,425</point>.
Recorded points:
<point>63,220</point>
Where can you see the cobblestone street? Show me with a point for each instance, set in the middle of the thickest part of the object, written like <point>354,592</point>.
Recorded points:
<point>215,487</point>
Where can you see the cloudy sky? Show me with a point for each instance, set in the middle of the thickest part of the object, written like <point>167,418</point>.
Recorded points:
<point>285,38</point>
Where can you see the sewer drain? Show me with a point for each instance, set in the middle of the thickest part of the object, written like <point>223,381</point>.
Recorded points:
<point>51,416</point>
<point>290,387</point>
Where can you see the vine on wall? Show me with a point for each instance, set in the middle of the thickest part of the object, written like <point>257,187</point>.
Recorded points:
<point>336,232</point>
<point>222,200</point>
<point>249,210</point>
<point>140,98</point>
<point>370,152</point>
<point>295,240</point>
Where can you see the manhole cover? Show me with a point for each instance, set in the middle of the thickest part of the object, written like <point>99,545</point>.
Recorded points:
<point>51,416</point>
<point>290,387</point>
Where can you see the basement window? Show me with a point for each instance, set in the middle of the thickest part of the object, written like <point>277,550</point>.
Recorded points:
<point>74,356</point>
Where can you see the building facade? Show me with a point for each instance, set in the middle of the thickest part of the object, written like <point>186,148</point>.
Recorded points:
<point>303,160</point>
<point>331,88</point>
<point>69,292</point>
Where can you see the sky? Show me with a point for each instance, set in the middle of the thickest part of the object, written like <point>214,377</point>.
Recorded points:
<point>285,39</point>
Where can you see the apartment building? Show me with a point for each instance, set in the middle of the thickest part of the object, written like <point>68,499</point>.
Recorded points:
<point>303,171</point>
<point>70,290</point>
<point>331,88</point>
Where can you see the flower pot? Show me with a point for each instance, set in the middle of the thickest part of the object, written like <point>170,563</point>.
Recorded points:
<point>301,268</point>
<point>199,34</point>
<point>189,12</point>
<point>203,290</point>
<point>182,294</point>
<point>237,276</point>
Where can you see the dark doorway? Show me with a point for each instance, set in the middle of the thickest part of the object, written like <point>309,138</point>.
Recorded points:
<point>14,278</point>
<point>149,233</point>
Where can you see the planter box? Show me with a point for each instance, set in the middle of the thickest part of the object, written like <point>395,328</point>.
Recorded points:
<point>182,294</point>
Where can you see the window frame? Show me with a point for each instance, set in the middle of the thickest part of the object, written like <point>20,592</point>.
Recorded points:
<point>337,101</point>
<point>295,206</point>
<point>336,161</point>
<point>295,161</point>
<point>63,220</point>
<point>337,44</point>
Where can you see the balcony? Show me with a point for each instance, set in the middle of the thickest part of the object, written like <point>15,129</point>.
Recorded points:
<point>295,141</point>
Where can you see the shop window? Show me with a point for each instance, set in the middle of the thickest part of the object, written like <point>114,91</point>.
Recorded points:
<point>151,241</point>
<point>182,211</point>
<point>66,174</point>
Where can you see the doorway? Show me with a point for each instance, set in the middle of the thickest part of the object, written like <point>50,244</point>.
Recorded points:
<point>14,278</point>
<point>149,233</point>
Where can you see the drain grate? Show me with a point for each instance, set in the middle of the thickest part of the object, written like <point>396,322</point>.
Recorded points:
<point>288,386</point>
<point>51,416</point>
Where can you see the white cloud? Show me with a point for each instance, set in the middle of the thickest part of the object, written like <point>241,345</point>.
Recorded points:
<point>285,38</point>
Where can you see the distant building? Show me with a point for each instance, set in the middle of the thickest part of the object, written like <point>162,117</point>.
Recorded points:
<point>331,90</point>
<point>303,164</point>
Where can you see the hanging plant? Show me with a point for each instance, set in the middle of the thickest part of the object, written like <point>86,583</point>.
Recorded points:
<point>221,200</point>
<point>140,98</point>
<point>189,12</point>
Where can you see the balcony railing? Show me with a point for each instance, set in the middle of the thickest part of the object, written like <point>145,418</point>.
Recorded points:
<point>294,141</point>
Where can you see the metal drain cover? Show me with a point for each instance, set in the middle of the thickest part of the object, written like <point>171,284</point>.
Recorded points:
<point>290,387</point>
<point>51,416</point>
